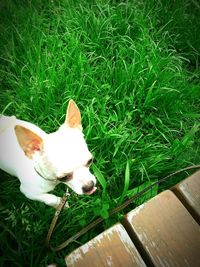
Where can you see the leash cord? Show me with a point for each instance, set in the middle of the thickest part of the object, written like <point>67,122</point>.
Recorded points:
<point>99,220</point>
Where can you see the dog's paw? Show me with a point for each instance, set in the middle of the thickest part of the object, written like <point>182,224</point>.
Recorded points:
<point>66,205</point>
<point>52,265</point>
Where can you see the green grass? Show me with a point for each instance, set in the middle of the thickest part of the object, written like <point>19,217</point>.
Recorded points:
<point>133,69</point>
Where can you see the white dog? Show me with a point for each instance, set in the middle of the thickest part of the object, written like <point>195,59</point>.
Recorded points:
<point>42,160</point>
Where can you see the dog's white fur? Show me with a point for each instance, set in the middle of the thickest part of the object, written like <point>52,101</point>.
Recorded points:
<point>39,159</point>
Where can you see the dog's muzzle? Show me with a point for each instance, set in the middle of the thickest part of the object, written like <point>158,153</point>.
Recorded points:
<point>89,188</point>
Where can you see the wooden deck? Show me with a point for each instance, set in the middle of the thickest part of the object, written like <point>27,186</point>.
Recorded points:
<point>163,232</point>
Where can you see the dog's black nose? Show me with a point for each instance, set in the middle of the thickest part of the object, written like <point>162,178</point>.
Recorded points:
<point>88,187</point>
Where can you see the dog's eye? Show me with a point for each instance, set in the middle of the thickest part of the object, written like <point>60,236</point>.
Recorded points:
<point>89,162</point>
<point>66,178</point>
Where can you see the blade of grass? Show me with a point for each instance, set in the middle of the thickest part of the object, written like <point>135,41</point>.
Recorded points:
<point>126,182</point>
<point>99,177</point>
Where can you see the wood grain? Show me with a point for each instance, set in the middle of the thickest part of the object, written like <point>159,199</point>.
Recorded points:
<point>188,191</point>
<point>165,233</point>
<point>111,248</point>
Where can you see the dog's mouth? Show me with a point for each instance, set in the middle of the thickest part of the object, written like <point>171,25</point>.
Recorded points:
<point>91,191</point>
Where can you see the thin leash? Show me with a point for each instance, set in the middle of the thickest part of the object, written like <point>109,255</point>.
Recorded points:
<point>55,218</point>
<point>99,220</point>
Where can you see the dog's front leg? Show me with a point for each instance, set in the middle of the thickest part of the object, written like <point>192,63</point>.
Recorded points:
<point>48,199</point>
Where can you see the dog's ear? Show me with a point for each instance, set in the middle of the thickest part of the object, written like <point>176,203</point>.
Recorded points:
<point>73,115</point>
<point>28,140</point>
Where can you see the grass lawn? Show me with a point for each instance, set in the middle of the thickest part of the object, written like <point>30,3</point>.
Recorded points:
<point>133,69</point>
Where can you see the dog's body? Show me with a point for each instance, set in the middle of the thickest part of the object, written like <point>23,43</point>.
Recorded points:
<point>42,160</point>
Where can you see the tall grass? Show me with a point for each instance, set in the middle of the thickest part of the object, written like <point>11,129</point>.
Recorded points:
<point>133,69</point>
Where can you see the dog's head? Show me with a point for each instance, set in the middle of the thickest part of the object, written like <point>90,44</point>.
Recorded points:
<point>61,155</point>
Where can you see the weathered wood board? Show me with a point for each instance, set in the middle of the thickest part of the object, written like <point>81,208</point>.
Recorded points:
<point>188,191</point>
<point>165,233</point>
<point>111,248</point>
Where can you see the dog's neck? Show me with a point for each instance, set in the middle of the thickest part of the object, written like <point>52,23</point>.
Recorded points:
<point>47,179</point>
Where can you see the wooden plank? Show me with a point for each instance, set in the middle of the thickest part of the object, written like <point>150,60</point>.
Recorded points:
<point>111,248</point>
<point>164,232</point>
<point>188,191</point>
